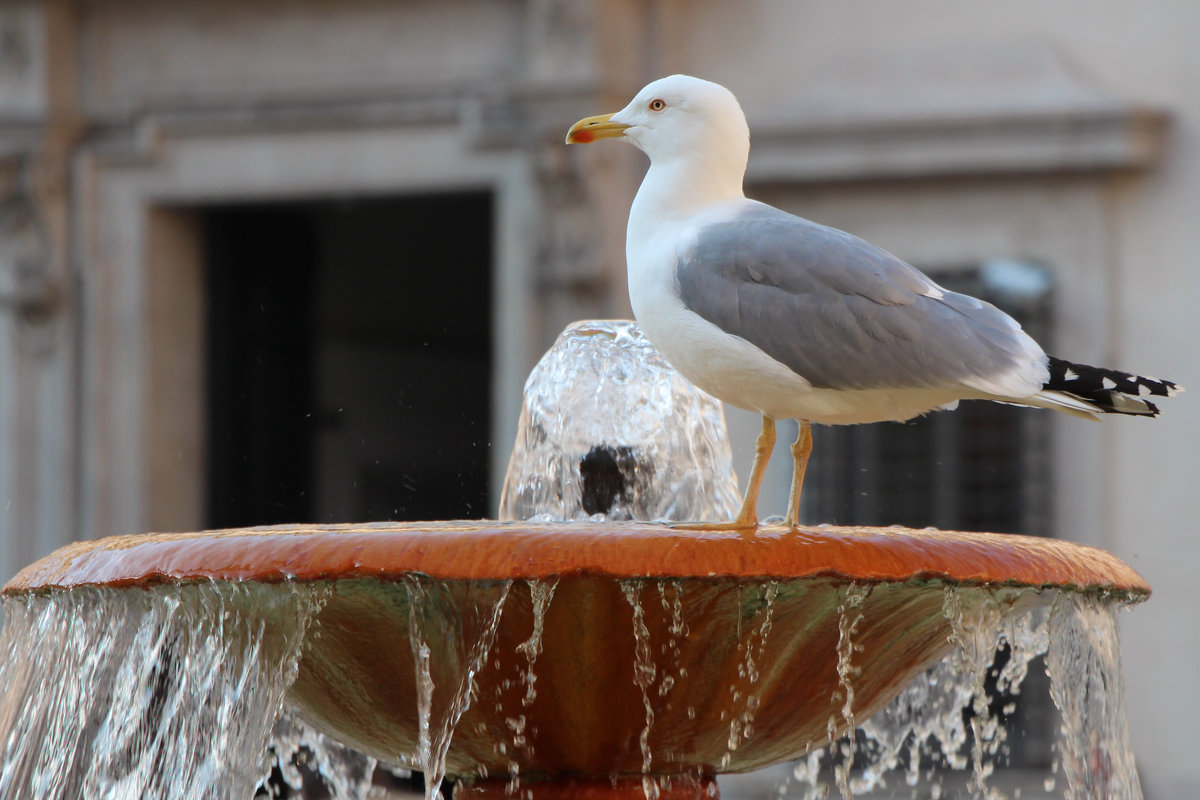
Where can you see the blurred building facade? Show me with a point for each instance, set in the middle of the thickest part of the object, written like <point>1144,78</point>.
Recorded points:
<point>140,141</point>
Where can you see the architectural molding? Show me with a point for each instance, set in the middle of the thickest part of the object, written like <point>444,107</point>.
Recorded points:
<point>1007,108</point>
<point>1068,141</point>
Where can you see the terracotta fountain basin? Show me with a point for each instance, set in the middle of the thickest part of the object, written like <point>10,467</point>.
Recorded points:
<point>662,651</point>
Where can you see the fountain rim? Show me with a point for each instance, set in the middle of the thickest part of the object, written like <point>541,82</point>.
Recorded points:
<point>493,550</point>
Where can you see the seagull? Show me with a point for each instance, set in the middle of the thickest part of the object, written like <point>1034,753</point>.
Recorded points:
<point>776,314</point>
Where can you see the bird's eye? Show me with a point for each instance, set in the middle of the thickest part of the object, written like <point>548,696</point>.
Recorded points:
<point>657,105</point>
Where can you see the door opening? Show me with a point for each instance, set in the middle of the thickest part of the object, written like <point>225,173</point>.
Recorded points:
<point>348,359</point>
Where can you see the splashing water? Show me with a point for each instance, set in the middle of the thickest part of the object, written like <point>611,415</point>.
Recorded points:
<point>163,692</point>
<point>346,773</point>
<point>609,430</point>
<point>945,722</point>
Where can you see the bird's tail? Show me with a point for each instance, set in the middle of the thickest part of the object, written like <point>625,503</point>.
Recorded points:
<point>1091,391</point>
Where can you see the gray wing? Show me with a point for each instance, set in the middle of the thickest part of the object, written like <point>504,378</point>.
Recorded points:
<point>841,312</point>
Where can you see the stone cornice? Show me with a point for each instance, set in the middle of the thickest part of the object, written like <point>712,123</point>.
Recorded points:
<point>1000,108</point>
<point>1068,140</point>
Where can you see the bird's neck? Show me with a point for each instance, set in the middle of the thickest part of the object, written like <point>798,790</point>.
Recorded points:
<point>674,190</point>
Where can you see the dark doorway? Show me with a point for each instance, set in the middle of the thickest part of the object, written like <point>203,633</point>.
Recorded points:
<point>349,359</point>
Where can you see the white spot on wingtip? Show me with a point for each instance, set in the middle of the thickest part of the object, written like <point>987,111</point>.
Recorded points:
<point>1143,390</point>
<point>1108,383</point>
<point>1070,375</point>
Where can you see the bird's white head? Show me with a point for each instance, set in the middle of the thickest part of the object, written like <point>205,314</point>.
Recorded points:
<point>677,117</point>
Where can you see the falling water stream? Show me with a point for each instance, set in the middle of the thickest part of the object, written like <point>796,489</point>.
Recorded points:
<point>169,691</point>
<point>755,619</point>
<point>943,724</point>
<point>177,691</point>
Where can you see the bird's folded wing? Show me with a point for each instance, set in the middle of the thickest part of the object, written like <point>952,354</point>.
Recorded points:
<point>845,314</point>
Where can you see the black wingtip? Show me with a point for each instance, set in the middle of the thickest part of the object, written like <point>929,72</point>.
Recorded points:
<point>1109,390</point>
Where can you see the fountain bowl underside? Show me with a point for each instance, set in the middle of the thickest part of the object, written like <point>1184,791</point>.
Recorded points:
<point>661,650</point>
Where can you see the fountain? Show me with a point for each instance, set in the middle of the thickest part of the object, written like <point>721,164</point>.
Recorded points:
<point>598,658</point>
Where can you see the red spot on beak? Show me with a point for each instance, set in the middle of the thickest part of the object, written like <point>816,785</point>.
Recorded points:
<point>591,129</point>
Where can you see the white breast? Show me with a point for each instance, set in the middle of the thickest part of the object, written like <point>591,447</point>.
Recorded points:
<point>725,366</point>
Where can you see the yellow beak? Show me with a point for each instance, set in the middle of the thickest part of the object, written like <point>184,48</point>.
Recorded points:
<point>590,129</point>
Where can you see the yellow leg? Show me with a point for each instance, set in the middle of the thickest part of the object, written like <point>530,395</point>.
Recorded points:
<point>801,449</point>
<point>748,514</point>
